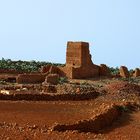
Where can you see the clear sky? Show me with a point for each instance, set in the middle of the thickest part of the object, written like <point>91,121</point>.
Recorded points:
<point>39,29</point>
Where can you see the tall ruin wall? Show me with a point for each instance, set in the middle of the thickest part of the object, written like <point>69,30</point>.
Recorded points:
<point>78,61</point>
<point>78,54</point>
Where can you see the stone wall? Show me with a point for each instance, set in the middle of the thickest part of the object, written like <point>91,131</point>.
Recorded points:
<point>80,72</point>
<point>51,79</point>
<point>104,70</point>
<point>45,69</point>
<point>85,72</point>
<point>35,96</point>
<point>8,78</point>
<point>78,54</point>
<point>137,72</point>
<point>124,72</point>
<point>50,69</point>
<point>67,71</point>
<point>94,124</point>
<point>79,64</point>
<point>78,61</point>
<point>30,78</point>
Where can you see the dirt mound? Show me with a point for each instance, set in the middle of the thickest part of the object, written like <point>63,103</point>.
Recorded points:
<point>105,118</point>
<point>119,87</point>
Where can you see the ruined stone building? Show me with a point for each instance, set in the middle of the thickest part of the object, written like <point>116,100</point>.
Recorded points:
<point>79,63</point>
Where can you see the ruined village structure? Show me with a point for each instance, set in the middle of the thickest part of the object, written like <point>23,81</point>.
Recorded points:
<point>49,103</point>
<point>78,61</point>
<point>79,65</point>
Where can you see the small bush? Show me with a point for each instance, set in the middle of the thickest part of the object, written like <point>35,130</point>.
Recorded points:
<point>123,108</point>
<point>114,71</point>
<point>63,80</point>
<point>3,82</point>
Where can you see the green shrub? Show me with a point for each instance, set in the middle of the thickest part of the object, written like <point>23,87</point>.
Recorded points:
<point>24,66</point>
<point>123,108</point>
<point>114,71</point>
<point>63,80</point>
<point>3,82</point>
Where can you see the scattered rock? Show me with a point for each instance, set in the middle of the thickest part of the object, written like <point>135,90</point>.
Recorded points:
<point>5,92</point>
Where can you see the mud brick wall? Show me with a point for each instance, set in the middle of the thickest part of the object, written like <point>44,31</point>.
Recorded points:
<point>104,70</point>
<point>85,72</point>
<point>124,72</point>
<point>24,95</point>
<point>50,69</point>
<point>137,72</point>
<point>8,78</point>
<point>45,69</point>
<point>31,78</point>
<point>94,124</point>
<point>78,61</point>
<point>80,72</point>
<point>78,54</point>
<point>66,71</point>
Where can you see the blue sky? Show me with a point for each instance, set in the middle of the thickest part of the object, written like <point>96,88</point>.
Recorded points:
<point>39,29</point>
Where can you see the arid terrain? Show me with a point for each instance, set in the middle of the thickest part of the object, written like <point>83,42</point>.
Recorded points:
<point>76,101</point>
<point>100,109</point>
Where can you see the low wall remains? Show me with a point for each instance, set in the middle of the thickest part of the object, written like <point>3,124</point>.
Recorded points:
<point>30,78</point>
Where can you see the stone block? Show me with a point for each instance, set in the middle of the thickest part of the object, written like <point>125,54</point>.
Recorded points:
<point>124,72</point>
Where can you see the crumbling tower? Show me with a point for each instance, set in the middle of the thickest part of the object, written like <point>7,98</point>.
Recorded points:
<point>79,64</point>
<point>78,61</point>
<point>78,54</point>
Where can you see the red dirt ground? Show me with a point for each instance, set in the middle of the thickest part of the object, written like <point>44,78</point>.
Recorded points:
<point>33,120</point>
